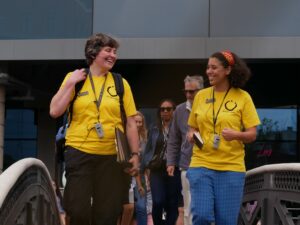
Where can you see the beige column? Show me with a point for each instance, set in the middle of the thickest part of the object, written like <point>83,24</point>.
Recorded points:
<point>2,111</point>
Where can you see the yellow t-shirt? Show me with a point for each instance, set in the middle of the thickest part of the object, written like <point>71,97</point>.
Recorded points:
<point>82,134</point>
<point>237,112</point>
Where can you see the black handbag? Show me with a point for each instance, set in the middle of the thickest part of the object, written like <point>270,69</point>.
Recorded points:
<point>158,161</point>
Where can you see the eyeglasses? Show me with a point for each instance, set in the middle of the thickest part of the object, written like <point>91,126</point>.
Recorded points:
<point>168,109</point>
<point>191,92</point>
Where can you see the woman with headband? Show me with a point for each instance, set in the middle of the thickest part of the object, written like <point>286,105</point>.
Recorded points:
<point>226,118</point>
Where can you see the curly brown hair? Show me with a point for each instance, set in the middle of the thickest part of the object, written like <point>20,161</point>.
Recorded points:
<point>94,45</point>
<point>240,72</point>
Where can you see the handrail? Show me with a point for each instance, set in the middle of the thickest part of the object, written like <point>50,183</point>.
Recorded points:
<point>274,168</point>
<point>271,195</point>
<point>9,177</point>
<point>27,195</point>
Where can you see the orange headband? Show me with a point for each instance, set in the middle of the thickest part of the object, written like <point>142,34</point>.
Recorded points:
<point>229,57</point>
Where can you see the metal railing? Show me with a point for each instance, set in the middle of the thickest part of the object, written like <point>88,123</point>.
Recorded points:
<point>272,195</point>
<point>27,196</point>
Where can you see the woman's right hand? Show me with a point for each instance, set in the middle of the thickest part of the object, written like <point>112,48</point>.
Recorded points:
<point>170,170</point>
<point>61,99</point>
<point>77,76</point>
<point>189,135</point>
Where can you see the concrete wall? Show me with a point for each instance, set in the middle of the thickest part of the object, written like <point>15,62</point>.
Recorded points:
<point>155,48</point>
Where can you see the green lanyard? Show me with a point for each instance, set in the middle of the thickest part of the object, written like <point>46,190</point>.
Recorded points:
<point>97,101</point>
<point>216,117</point>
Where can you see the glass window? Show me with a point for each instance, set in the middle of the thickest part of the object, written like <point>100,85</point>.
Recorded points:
<point>46,19</point>
<point>276,138</point>
<point>20,135</point>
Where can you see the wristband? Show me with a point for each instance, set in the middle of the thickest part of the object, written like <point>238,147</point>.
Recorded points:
<point>135,153</point>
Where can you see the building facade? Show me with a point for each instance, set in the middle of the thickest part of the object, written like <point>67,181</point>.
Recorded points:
<point>161,42</point>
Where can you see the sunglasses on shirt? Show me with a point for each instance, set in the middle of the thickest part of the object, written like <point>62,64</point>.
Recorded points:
<point>168,109</point>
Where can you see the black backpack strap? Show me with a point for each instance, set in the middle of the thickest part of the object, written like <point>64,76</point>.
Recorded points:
<point>120,91</point>
<point>78,87</point>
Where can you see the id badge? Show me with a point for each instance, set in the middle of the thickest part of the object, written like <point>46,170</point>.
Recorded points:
<point>216,141</point>
<point>99,130</point>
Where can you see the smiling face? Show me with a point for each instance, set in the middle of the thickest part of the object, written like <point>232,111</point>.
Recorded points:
<point>217,73</point>
<point>106,58</point>
<point>139,121</point>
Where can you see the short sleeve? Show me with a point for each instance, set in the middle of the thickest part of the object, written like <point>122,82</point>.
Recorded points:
<point>250,117</point>
<point>129,104</point>
<point>192,122</point>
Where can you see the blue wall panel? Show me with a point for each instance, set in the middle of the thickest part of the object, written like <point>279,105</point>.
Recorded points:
<point>240,18</point>
<point>151,19</point>
<point>45,19</point>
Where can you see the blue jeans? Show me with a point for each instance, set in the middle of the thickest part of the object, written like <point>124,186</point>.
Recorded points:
<point>166,192</point>
<point>140,205</point>
<point>216,196</point>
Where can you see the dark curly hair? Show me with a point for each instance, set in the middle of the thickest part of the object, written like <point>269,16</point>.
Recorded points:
<point>94,45</point>
<point>240,72</point>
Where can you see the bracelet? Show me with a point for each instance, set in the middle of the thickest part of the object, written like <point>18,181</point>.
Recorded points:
<point>135,153</point>
<point>140,189</point>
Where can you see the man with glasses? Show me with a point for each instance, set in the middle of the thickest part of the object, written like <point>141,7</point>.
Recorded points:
<point>179,150</point>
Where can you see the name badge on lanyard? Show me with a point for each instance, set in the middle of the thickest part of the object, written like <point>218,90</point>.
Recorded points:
<point>210,100</point>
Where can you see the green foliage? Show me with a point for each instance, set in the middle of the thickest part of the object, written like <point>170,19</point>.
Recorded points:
<point>267,127</point>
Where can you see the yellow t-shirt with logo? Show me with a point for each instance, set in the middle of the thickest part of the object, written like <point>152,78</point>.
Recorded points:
<point>237,112</point>
<point>82,134</point>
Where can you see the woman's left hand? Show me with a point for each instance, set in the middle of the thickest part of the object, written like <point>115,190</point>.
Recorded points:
<point>229,134</point>
<point>141,191</point>
<point>133,140</point>
<point>135,161</point>
<point>247,136</point>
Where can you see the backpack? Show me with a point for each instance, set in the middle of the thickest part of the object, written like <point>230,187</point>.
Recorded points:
<point>61,134</point>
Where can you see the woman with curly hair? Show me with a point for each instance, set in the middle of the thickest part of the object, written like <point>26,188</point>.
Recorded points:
<point>226,118</point>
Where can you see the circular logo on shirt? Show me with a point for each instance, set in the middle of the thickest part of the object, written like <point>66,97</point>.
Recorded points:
<point>112,91</point>
<point>230,105</point>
